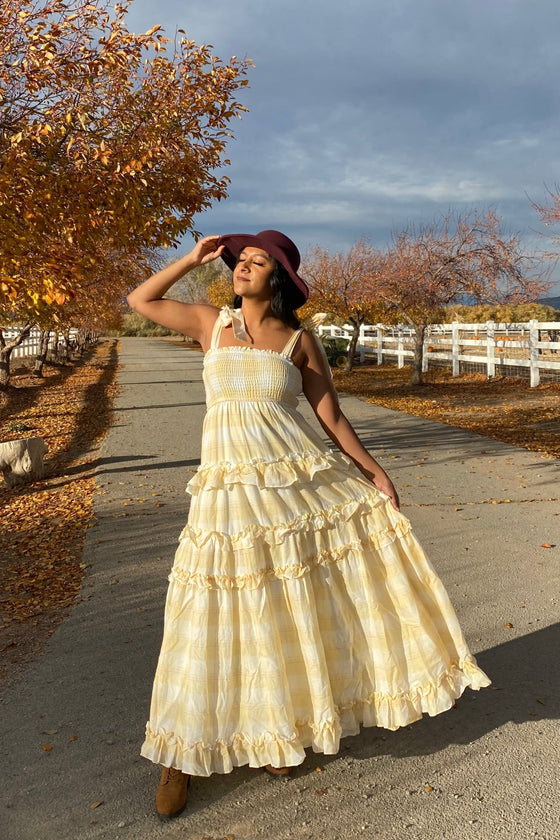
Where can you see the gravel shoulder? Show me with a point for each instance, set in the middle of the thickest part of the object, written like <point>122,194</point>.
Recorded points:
<point>482,509</point>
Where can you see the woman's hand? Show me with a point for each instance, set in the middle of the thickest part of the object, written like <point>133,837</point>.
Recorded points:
<point>205,250</point>
<point>384,483</point>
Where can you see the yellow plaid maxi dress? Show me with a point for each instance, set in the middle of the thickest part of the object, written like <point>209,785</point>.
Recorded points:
<point>300,605</point>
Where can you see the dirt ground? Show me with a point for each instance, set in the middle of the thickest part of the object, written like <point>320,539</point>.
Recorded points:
<point>503,408</point>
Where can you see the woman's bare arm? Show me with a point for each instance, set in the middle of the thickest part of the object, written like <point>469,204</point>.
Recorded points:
<point>319,391</point>
<point>192,319</point>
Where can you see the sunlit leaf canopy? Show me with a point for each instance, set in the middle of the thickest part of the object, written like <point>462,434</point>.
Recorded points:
<point>110,143</point>
<point>346,285</point>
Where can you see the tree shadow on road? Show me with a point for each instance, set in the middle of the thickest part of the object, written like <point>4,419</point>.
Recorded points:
<point>141,464</point>
<point>164,405</point>
<point>405,433</point>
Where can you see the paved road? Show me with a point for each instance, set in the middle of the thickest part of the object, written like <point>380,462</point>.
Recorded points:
<point>490,763</point>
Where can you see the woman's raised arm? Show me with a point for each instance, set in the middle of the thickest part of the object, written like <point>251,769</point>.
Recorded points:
<point>192,319</point>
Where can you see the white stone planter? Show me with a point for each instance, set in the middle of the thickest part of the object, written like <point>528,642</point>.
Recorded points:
<point>21,461</point>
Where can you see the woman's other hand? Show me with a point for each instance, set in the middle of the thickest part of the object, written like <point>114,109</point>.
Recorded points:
<point>205,250</point>
<point>193,319</point>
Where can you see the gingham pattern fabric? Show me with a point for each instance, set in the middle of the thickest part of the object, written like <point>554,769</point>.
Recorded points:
<point>300,605</point>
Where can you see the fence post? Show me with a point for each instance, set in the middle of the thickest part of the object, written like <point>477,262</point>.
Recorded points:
<point>534,353</point>
<point>490,349</point>
<point>400,349</point>
<point>379,346</point>
<point>361,345</point>
<point>455,348</point>
<point>425,360</point>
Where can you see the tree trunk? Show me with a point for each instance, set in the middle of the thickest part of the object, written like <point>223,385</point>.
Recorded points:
<point>81,341</point>
<point>352,345</point>
<point>63,349</point>
<point>5,353</point>
<point>55,348</point>
<point>419,331</point>
<point>6,348</point>
<point>41,353</point>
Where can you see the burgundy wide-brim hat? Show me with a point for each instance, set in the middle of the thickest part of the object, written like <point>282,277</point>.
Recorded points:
<point>274,243</point>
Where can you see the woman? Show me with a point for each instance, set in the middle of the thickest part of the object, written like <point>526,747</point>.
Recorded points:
<point>300,604</point>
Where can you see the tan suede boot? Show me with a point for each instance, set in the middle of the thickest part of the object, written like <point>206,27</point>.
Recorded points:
<point>171,795</point>
<point>279,772</point>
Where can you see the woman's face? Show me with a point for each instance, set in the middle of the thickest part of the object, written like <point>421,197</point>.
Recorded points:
<point>251,275</point>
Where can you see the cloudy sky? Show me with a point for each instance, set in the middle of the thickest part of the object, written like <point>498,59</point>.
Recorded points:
<point>368,115</point>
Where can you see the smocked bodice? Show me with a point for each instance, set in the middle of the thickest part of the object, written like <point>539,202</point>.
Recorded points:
<point>250,374</point>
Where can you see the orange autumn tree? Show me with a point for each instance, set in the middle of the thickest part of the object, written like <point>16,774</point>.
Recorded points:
<point>345,286</point>
<point>106,138</point>
<point>454,260</point>
<point>220,290</point>
<point>98,308</point>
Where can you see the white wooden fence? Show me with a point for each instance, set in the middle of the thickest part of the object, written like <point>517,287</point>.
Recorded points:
<point>532,346</point>
<point>30,345</point>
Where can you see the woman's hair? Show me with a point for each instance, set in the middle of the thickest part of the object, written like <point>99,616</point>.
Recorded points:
<point>286,297</point>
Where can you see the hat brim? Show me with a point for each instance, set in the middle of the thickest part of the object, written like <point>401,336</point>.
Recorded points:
<point>234,244</point>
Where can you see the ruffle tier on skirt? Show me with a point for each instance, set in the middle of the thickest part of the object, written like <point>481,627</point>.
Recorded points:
<point>300,605</point>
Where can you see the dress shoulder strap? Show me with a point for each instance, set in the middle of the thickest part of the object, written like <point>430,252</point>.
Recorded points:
<point>289,348</point>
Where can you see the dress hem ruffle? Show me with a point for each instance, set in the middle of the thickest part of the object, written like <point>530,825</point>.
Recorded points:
<point>275,534</point>
<point>383,710</point>
<point>294,570</point>
<point>267,473</point>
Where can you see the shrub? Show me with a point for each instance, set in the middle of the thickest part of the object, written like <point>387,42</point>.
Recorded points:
<point>139,325</point>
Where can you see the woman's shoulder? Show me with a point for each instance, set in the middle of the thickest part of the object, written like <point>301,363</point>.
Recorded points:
<point>307,349</point>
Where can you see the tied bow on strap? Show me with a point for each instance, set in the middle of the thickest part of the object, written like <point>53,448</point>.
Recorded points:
<point>311,324</point>
<point>315,321</point>
<point>229,315</point>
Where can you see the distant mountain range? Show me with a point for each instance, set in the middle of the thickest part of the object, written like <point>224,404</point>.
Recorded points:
<point>551,301</point>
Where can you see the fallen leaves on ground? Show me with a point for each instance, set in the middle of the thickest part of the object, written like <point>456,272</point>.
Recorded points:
<point>226,837</point>
<point>45,522</point>
<point>503,408</point>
